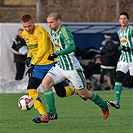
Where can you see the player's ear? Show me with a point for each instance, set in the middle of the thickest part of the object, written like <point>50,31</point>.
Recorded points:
<point>59,21</point>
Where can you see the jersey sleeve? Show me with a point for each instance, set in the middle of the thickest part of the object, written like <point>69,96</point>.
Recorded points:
<point>29,54</point>
<point>68,40</point>
<point>42,37</point>
<point>132,39</point>
<point>131,36</point>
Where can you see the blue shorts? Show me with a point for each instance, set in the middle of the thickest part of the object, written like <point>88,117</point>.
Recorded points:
<point>41,70</point>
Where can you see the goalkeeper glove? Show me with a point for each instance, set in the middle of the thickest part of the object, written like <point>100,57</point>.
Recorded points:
<point>30,71</point>
<point>52,56</point>
<point>27,61</point>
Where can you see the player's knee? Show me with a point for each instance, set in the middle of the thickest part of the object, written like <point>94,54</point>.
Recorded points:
<point>47,84</point>
<point>33,83</point>
<point>119,76</point>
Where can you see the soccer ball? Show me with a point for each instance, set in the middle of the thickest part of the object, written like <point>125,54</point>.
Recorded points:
<point>25,102</point>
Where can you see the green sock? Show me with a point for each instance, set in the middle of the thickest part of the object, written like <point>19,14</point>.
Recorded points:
<point>50,101</point>
<point>117,90</point>
<point>98,100</point>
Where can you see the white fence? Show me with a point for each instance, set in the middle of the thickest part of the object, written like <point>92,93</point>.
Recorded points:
<point>8,31</point>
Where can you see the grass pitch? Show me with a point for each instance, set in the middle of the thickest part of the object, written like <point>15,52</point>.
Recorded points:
<point>75,115</point>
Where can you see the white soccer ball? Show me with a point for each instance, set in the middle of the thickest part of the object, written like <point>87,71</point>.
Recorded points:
<point>25,102</point>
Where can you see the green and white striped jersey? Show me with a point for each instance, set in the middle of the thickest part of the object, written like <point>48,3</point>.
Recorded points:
<point>62,39</point>
<point>126,39</point>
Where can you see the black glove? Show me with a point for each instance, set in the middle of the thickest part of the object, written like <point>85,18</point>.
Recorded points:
<point>52,56</point>
<point>30,71</point>
<point>126,49</point>
<point>27,61</point>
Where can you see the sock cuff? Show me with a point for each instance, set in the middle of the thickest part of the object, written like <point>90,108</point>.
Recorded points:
<point>93,96</point>
<point>118,83</point>
<point>48,92</point>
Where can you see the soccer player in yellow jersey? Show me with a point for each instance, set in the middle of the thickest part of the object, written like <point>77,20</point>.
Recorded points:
<point>40,47</point>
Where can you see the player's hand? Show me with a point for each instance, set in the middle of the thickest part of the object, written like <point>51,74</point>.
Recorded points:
<point>30,71</point>
<point>27,61</point>
<point>126,49</point>
<point>52,56</point>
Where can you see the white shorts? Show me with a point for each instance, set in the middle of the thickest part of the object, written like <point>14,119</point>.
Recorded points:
<point>124,67</point>
<point>76,77</point>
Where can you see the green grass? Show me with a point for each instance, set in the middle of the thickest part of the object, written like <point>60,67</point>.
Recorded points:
<point>75,116</point>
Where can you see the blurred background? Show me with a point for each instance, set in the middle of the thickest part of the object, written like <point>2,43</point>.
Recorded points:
<point>71,10</point>
<point>88,20</point>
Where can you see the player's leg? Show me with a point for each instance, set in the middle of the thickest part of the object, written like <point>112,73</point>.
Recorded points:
<point>122,69</point>
<point>64,91</point>
<point>32,91</point>
<point>34,82</point>
<point>117,89</point>
<point>54,76</point>
<point>118,84</point>
<point>93,96</point>
<point>47,84</point>
<point>131,71</point>
<point>79,82</point>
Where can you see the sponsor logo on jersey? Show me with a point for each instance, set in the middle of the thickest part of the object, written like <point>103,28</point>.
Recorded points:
<point>123,41</point>
<point>32,46</point>
<point>33,38</point>
<point>56,45</point>
<point>39,32</point>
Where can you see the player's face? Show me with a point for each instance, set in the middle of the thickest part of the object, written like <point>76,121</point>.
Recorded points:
<point>28,26</point>
<point>53,24</point>
<point>123,20</point>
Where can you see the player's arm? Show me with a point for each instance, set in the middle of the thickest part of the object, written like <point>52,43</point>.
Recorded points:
<point>132,37</point>
<point>42,47</point>
<point>68,39</point>
<point>70,48</point>
<point>28,59</point>
<point>29,54</point>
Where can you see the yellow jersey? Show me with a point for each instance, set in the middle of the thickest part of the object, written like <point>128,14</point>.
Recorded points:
<point>39,44</point>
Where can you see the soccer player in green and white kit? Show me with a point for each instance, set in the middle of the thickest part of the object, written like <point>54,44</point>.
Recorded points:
<point>68,67</point>
<point>125,62</point>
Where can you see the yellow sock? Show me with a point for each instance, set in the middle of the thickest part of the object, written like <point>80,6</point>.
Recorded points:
<point>37,101</point>
<point>70,90</point>
<point>76,92</point>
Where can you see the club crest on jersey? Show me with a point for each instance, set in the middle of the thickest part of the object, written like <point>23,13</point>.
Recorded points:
<point>123,41</point>
<point>33,38</point>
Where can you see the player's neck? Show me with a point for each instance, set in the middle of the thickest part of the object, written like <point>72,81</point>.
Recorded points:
<point>57,29</point>
<point>124,27</point>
